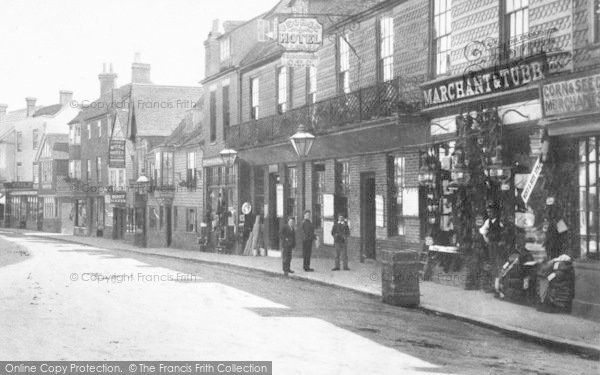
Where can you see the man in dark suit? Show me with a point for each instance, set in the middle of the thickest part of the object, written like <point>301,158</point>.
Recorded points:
<point>288,243</point>
<point>308,236</point>
<point>340,233</point>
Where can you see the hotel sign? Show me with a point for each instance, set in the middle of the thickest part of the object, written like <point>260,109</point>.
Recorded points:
<point>578,96</point>
<point>116,153</point>
<point>300,34</point>
<point>482,82</point>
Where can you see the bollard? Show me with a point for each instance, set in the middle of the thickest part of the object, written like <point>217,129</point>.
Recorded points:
<point>400,278</point>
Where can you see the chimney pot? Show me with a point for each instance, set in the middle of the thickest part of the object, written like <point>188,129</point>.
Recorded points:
<point>30,105</point>
<point>107,80</point>
<point>140,72</point>
<point>65,97</point>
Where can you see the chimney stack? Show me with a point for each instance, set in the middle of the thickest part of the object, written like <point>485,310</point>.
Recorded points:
<point>30,105</point>
<point>107,79</point>
<point>3,108</point>
<point>140,72</point>
<point>65,97</point>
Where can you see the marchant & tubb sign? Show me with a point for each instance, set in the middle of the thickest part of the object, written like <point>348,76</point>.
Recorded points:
<point>485,81</point>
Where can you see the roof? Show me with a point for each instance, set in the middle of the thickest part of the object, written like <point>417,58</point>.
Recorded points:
<point>158,110</point>
<point>261,51</point>
<point>59,146</point>
<point>113,99</point>
<point>15,116</point>
<point>48,110</point>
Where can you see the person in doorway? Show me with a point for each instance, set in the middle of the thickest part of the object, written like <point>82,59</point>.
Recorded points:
<point>288,243</point>
<point>493,232</point>
<point>340,233</point>
<point>308,236</point>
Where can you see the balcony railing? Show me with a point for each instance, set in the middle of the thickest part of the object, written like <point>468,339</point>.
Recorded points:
<point>383,100</point>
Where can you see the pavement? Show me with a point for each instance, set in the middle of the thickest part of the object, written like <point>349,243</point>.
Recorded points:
<point>561,331</point>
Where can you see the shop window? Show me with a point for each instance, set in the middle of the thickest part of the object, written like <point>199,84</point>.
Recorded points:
<point>49,205</point>
<point>343,65</point>
<point>342,188</point>
<point>516,24</point>
<point>292,191</point>
<point>386,48</point>
<point>318,191</point>
<point>589,207</point>
<point>140,219</point>
<point>80,213</point>
<point>442,36</point>
<point>152,218</point>
<point>130,220</point>
<point>190,220</point>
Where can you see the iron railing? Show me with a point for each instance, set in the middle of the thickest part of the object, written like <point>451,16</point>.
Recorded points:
<point>383,100</point>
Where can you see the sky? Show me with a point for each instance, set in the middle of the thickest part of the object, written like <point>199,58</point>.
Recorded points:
<point>53,45</point>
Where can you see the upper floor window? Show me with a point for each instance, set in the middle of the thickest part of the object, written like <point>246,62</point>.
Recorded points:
<point>46,152</point>
<point>46,171</point>
<point>266,29</point>
<point>344,65</point>
<point>225,48</point>
<point>282,88</point>
<point>386,48</point>
<point>226,109</point>
<point>167,168</point>
<point>88,171</point>
<point>35,138</point>
<point>442,37</point>
<point>311,84</point>
<point>117,179</point>
<point>516,22</point>
<point>19,171</point>
<point>19,141</point>
<point>75,169</point>
<point>98,169</point>
<point>99,129</point>
<point>191,168</point>
<point>75,134</point>
<point>213,116</point>
<point>596,21</point>
<point>36,172</point>
<point>254,97</point>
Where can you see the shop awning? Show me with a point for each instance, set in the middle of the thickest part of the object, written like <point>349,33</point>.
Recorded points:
<point>379,138</point>
<point>574,126</point>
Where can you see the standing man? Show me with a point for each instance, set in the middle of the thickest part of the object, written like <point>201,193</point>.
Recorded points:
<point>340,233</point>
<point>308,236</point>
<point>493,232</point>
<point>288,243</point>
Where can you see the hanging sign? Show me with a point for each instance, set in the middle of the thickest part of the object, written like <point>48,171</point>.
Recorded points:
<point>116,153</point>
<point>300,34</point>
<point>532,180</point>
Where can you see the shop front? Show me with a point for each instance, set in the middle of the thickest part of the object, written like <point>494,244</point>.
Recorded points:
<point>23,210</point>
<point>571,107</point>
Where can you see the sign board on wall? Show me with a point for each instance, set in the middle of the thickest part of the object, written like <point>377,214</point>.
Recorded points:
<point>300,34</point>
<point>279,200</point>
<point>328,206</point>
<point>410,202</point>
<point>116,153</point>
<point>327,227</point>
<point>532,180</point>
<point>578,96</point>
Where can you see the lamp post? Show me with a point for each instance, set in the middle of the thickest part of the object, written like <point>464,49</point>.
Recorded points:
<point>302,141</point>
<point>228,156</point>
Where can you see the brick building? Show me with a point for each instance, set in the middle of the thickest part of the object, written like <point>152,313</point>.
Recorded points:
<point>358,101</point>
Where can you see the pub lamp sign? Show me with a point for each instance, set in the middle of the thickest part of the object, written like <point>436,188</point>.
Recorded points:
<point>300,34</point>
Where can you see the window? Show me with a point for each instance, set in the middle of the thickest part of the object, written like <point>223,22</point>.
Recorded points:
<point>46,171</point>
<point>589,204</point>
<point>71,134</point>
<point>34,138</point>
<point>161,217</point>
<point>50,206</point>
<point>36,172</point>
<point>89,130</point>
<point>98,169</point>
<point>190,220</point>
<point>342,178</point>
<point>596,21</point>
<point>75,169</point>
<point>399,176</point>
<point>254,96</point>
<point>99,129</point>
<point>292,187</point>
<point>226,110</point>
<point>265,30</point>
<point>318,191</point>
<point>225,48</point>
<point>117,179</point>
<point>77,134</point>
<point>167,168</point>
<point>80,213</point>
<point>442,41</point>
<point>19,172</point>
<point>311,73</point>
<point>213,116</point>
<point>88,171</point>
<point>175,218</point>
<point>282,89</point>
<point>386,48</point>
<point>19,141</point>
<point>516,24</point>
<point>191,169</point>
<point>344,65</point>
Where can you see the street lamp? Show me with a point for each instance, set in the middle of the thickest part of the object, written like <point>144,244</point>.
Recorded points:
<point>302,141</point>
<point>228,156</point>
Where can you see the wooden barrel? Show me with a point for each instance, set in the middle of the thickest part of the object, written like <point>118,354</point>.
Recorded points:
<point>400,278</point>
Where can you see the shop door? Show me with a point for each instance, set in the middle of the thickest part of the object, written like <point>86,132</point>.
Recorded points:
<point>367,214</point>
<point>168,223</point>
<point>273,221</point>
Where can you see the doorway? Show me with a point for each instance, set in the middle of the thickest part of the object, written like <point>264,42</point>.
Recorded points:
<point>273,219</point>
<point>367,215</point>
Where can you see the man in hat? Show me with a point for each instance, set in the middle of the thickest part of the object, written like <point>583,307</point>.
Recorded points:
<point>288,243</point>
<point>308,236</point>
<point>340,233</point>
<point>493,232</point>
